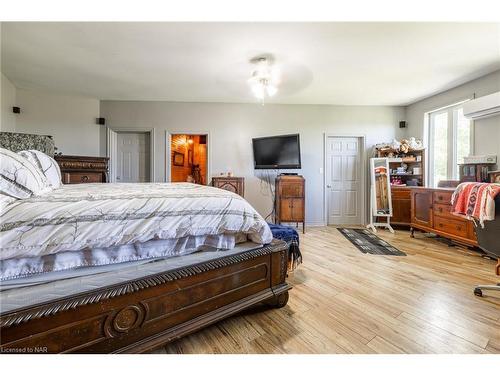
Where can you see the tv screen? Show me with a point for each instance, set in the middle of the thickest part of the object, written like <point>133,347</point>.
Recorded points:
<point>280,152</point>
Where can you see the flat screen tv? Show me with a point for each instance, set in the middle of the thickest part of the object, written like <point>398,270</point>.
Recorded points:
<point>280,152</point>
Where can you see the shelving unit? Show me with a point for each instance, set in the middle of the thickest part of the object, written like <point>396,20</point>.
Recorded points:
<point>401,194</point>
<point>413,159</point>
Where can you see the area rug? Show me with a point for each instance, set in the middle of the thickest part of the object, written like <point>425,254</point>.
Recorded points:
<point>368,242</point>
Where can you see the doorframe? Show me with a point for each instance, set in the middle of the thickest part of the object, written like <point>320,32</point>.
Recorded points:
<point>362,141</point>
<point>168,151</point>
<point>112,149</point>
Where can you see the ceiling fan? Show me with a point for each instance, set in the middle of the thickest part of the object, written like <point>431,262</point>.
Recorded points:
<point>265,78</point>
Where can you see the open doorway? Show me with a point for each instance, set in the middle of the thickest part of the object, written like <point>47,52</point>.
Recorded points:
<point>189,158</point>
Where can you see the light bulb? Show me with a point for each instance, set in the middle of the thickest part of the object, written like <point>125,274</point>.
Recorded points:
<point>258,90</point>
<point>271,90</point>
<point>265,80</point>
<point>275,75</point>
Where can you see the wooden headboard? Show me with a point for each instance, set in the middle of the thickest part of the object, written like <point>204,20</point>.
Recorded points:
<point>20,141</point>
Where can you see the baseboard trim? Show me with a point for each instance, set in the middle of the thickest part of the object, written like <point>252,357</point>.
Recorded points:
<point>308,224</point>
<point>315,224</point>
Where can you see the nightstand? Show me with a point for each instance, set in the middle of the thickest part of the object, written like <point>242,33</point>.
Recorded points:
<point>233,184</point>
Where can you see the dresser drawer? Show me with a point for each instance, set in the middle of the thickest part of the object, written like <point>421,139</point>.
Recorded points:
<point>443,197</point>
<point>81,177</point>
<point>401,194</point>
<point>452,226</point>
<point>444,210</point>
<point>82,169</point>
<point>292,190</point>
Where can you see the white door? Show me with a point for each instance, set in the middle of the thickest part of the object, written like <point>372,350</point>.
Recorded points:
<point>133,157</point>
<point>343,180</point>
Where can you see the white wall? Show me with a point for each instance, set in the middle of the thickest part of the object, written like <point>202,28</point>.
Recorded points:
<point>487,131</point>
<point>69,119</point>
<point>8,100</point>
<point>487,137</point>
<point>232,126</point>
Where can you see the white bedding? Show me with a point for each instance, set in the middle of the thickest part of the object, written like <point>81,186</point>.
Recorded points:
<point>55,266</point>
<point>102,216</point>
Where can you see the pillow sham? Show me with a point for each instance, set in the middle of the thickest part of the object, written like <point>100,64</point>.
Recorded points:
<point>20,178</point>
<point>46,165</point>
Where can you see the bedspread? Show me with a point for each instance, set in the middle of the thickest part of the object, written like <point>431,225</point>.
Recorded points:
<point>77,217</point>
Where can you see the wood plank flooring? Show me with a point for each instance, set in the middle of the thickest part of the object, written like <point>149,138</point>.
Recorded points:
<point>344,301</point>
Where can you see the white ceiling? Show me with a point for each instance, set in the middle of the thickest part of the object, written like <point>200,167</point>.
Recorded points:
<point>321,63</point>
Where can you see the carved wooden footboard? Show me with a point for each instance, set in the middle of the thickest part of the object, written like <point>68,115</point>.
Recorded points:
<point>142,314</point>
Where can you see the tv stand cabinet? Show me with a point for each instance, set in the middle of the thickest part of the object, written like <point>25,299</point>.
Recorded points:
<point>290,200</point>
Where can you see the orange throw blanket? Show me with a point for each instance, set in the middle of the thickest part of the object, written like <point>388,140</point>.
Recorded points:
<point>475,200</point>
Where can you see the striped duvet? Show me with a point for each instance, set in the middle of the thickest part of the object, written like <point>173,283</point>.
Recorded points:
<point>87,216</point>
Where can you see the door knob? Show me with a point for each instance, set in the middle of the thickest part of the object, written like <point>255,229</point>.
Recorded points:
<point>328,186</point>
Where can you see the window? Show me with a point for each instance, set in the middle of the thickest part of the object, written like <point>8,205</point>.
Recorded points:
<point>450,139</point>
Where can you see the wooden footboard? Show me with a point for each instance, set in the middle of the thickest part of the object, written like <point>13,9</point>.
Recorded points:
<point>142,314</point>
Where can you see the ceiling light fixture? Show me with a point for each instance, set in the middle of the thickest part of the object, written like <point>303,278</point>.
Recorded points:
<point>264,80</point>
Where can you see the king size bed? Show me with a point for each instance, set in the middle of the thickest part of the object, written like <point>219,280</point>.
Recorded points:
<point>125,267</point>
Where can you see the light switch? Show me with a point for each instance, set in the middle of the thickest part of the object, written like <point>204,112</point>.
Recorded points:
<point>321,171</point>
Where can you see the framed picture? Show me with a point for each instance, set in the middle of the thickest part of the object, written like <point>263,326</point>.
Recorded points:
<point>178,159</point>
<point>190,157</point>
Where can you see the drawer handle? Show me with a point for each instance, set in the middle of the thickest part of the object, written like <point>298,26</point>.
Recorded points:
<point>459,227</point>
<point>441,225</point>
<point>440,209</point>
<point>84,178</point>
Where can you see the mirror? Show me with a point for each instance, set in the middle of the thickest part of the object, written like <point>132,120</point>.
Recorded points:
<point>381,187</point>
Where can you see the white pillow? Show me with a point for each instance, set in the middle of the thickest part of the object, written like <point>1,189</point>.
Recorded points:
<point>46,165</point>
<point>5,200</point>
<point>20,178</point>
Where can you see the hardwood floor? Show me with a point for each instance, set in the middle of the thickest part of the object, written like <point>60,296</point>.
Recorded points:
<point>344,301</point>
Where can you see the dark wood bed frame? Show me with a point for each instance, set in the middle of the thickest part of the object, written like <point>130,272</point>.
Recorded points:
<point>139,315</point>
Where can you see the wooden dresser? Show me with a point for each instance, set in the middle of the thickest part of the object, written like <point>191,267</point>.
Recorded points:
<point>82,169</point>
<point>431,212</point>
<point>290,200</point>
<point>234,184</point>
